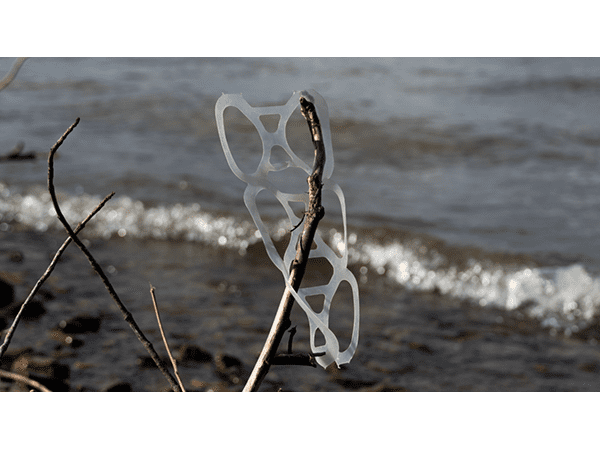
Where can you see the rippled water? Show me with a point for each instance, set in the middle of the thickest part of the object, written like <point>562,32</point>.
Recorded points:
<point>475,178</point>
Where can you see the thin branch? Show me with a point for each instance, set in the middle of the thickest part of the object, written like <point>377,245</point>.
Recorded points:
<point>315,213</point>
<point>162,333</point>
<point>126,314</point>
<point>24,379</point>
<point>4,82</point>
<point>46,274</point>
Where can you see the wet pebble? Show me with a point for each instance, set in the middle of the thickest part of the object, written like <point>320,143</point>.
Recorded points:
<point>146,362</point>
<point>80,324</point>
<point>193,354</point>
<point>45,370</point>
<point>421,348</point>
<point>230,369</point>
<point>591,367</point>
<point>33,311</point>
<point>45,294</point>
<point>43,365</point>
<point>117,386</point>
<point>7,293</point>
<point>15,256</point>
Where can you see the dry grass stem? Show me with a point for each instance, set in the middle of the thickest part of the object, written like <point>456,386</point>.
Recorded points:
<point>24,379</point>
<point>162,333</point>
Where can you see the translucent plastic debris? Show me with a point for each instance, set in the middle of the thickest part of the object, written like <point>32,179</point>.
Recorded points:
<point>258,181</point>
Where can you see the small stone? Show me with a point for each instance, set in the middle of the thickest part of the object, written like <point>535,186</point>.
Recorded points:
<point>45,294</point>
<point>146,362</point>
<point>34,310</point>
<point>193,353</point>
<point>591,367</point>
<point>421,348</point>
<point>117,386</point>
<point>15,256</point>
<point>73,342</point>
<point>7,293</point>
<point>225,362</point>
<point>43,366</point>
<point>80,324</point>
<point>47,371</point>
<point>230,368</point>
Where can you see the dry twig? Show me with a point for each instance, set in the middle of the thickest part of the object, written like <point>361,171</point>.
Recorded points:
<point>126,314</point>
<point>24,379</point>
<point>4,82</point>
<point>315,213</point>
<point>46,274</point>
<point>162,333</point>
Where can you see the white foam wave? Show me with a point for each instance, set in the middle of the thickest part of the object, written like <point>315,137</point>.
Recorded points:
<point>123,216</point>
<point>560,297</point>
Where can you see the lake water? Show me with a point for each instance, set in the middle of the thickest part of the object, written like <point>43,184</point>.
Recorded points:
<point>478,179</point>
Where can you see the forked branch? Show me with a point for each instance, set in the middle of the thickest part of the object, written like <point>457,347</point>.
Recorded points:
<point>126,314</point>
<point>314,214</point>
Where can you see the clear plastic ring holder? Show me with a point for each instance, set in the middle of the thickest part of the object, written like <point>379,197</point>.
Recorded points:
<point>258,181</point>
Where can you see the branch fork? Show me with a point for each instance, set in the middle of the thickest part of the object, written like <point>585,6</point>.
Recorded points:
<point>312,217</point>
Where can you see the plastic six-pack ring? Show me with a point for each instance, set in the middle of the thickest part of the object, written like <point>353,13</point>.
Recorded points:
<point>258,181</point>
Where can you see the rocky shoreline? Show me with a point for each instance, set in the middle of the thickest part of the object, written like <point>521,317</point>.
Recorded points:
<point>217,307</point>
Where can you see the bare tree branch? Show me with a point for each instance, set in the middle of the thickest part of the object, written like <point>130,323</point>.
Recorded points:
<point>315,213</point>
<point>126,314</point>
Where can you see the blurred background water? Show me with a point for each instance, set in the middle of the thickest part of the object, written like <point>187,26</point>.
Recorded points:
<point>478,179</point>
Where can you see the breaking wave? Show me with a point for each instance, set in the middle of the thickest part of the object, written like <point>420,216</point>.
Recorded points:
<point>564,299</point>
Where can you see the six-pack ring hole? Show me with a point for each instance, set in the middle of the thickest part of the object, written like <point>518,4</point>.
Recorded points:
<point>318,272</point>
<point>341,314</point>
<point>243,139</point>
<point>299,138</point>
<point>270,122</point>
